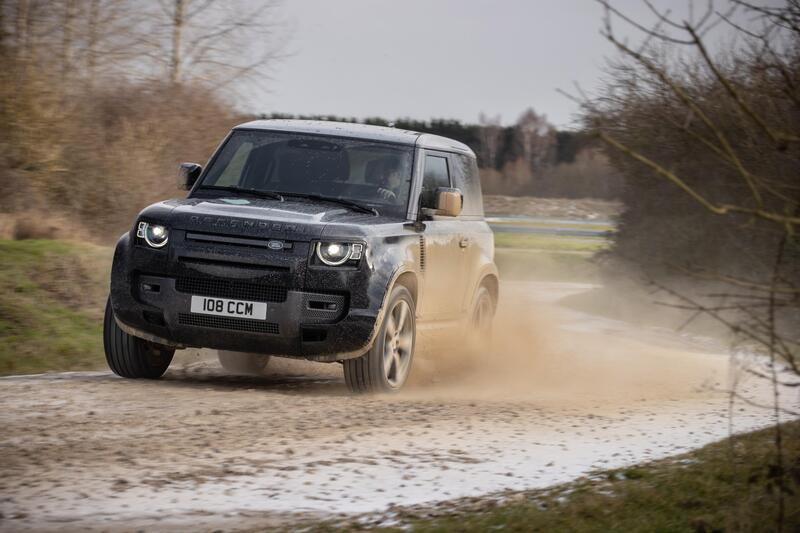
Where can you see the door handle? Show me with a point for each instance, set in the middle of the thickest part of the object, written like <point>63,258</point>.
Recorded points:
<point>464,242</point>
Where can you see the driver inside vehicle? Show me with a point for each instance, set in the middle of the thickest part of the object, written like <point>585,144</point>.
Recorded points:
<point>389,177</point>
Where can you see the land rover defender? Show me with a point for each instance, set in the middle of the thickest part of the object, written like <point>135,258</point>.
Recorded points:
<point>326,241</point>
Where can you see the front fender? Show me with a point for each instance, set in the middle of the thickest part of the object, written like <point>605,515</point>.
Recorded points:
<point>387,259</point>
<point>120,283</point>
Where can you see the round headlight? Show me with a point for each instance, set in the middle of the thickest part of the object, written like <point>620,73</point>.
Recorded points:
<point>333,253</point>
<point>155,235</point>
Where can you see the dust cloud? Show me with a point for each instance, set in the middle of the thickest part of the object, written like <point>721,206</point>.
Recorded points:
<point>547,353</point>
<point>542,352</point>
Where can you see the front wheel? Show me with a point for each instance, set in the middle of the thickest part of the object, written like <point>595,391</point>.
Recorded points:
<point>132,357</point>
<point>385,367</point>
<point>243,363</point>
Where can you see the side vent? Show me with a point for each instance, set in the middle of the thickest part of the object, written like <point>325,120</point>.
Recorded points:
<point>422,253</point>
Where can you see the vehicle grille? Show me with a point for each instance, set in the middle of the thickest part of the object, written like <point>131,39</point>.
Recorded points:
<point>223,322</point>
<point>228,288</point>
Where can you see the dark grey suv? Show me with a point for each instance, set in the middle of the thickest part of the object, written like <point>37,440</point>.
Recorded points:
<point>318,240</point>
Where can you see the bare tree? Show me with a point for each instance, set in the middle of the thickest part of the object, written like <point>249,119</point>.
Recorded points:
<point>213,42</point>
<point>536,139</point>
<point>491,133</point>
<point>178,20</point>
<point>113,36</point>
<point>3,37</point>
<point>21,34</point>
<point>67,36</point>
<point>722,131</point>
<point>85,84</point>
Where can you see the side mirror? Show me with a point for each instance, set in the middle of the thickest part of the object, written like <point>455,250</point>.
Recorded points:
<point>188,174</point>
<point>449,202</point>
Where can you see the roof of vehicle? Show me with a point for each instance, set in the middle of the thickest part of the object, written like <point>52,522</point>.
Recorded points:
<point>359,131</point>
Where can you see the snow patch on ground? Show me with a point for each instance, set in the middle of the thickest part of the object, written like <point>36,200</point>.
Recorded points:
<point>200,450</point>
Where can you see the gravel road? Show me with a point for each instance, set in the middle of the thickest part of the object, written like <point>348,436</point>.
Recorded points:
<point>562,394</point>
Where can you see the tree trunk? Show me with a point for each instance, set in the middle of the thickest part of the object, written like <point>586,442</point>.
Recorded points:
<point>2,26</point>
<point>177,30</point>
<point>21,30</point>
<point>91,42</point>
<point>70,7</point>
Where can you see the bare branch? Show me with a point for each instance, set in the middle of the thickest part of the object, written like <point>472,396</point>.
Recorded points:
<point>662,36</point>
<point>779,138</point>
<point>722,209</point>
<point>684,97</point>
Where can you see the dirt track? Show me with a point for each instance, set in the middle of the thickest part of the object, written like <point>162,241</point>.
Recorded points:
<point>563,394</point>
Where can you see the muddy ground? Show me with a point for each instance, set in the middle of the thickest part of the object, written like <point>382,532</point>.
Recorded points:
<point>562,394</point>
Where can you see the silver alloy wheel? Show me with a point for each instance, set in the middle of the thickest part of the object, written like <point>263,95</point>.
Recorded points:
<point>398,341</point>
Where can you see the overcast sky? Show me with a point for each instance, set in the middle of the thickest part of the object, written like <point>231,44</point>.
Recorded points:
<point>440,58</point>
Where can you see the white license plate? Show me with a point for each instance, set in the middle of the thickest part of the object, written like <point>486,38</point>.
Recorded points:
<point>224,307</point>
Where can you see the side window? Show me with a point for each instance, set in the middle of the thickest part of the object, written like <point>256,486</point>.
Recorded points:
<point>436,175</point>
<point>467,179</point>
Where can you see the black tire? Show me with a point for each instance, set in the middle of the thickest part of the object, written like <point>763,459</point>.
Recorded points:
<point>132,357</point>
<point>479,328</point>
<point>370,373</point>
<point>253,364</point>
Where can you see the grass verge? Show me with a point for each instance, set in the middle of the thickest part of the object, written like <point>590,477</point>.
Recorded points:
<point>725,486</point>
<point>526,256</point>
<point>553,243</point>
<point>551,224</point>
<point>52,295</point>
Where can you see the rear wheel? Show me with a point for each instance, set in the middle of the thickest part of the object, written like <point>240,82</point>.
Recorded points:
<point>385,367</point>
<point>243,363</point>
<point>131,357</point>
<point>480,325</point>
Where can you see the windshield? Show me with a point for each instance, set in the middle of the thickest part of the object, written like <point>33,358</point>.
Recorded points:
<point>373,174</point>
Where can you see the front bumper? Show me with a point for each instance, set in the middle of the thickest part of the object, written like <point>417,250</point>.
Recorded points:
<point>319,319</point>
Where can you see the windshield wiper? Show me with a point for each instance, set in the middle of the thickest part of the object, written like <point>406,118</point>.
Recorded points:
<point>341,201</point>
<point>253,192</point>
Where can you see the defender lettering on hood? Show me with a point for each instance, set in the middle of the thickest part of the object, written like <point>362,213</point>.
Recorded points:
<point>218,222</point>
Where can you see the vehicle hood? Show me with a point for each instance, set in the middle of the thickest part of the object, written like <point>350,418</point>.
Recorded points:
<point>289,219</point>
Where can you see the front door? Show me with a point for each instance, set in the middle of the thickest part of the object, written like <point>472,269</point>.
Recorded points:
<point>445,273</point>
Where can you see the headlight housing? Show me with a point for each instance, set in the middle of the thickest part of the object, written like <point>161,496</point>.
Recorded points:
<point>155,235</point>
<point>339,253</point>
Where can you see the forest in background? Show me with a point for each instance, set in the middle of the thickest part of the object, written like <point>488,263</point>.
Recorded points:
<point>530,157</point>
<point>100,100</point>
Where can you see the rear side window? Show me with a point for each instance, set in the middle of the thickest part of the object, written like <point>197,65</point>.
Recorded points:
<point>466,178</point>
<point>436,175</point>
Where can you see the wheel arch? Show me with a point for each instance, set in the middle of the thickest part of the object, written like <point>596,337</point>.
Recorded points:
<point>492,283</point>
<point>408,279</point>
<point>488,277</point>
